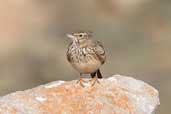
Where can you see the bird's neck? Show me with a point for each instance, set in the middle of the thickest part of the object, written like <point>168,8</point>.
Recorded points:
<point>83,43</point>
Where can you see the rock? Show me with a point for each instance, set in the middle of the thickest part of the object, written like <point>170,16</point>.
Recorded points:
<point>114,95</point>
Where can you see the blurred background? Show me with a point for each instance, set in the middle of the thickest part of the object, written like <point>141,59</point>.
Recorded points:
<point>135,33</point>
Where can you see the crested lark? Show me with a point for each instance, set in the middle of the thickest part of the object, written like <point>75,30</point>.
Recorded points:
<point>86,56</point>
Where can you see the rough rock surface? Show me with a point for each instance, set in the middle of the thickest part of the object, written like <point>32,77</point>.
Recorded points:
<point>114,95</point>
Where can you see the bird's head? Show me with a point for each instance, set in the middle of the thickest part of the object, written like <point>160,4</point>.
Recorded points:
<point>80,37</point>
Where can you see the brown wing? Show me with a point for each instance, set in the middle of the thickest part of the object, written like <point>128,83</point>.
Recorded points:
<point>100,52</point>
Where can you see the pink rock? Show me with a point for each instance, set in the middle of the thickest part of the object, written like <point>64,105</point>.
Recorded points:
<point>114,95</point>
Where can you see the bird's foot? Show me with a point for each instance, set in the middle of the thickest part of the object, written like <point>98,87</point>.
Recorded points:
<point>81,82</point>
<point>94,80</point>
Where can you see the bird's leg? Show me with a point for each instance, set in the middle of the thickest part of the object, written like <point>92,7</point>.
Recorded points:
<point>94,78</point>
<point>81,81</point>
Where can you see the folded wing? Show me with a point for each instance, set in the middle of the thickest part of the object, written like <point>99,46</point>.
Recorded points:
<point>99,51</point>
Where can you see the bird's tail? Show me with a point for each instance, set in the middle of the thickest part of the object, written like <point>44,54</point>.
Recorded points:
<point>99,75</point>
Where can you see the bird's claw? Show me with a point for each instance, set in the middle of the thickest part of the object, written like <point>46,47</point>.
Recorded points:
<point>81,82</point>
<point>94,80</point>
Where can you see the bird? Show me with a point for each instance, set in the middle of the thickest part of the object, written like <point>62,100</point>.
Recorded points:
<point>86,56</point>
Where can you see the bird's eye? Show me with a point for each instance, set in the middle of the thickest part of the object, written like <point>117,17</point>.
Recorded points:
<point>80,35</point>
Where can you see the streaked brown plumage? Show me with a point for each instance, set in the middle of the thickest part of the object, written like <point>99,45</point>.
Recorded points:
<point>86,55</point>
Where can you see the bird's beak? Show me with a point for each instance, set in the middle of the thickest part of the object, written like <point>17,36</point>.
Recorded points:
<point>70,36</point>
